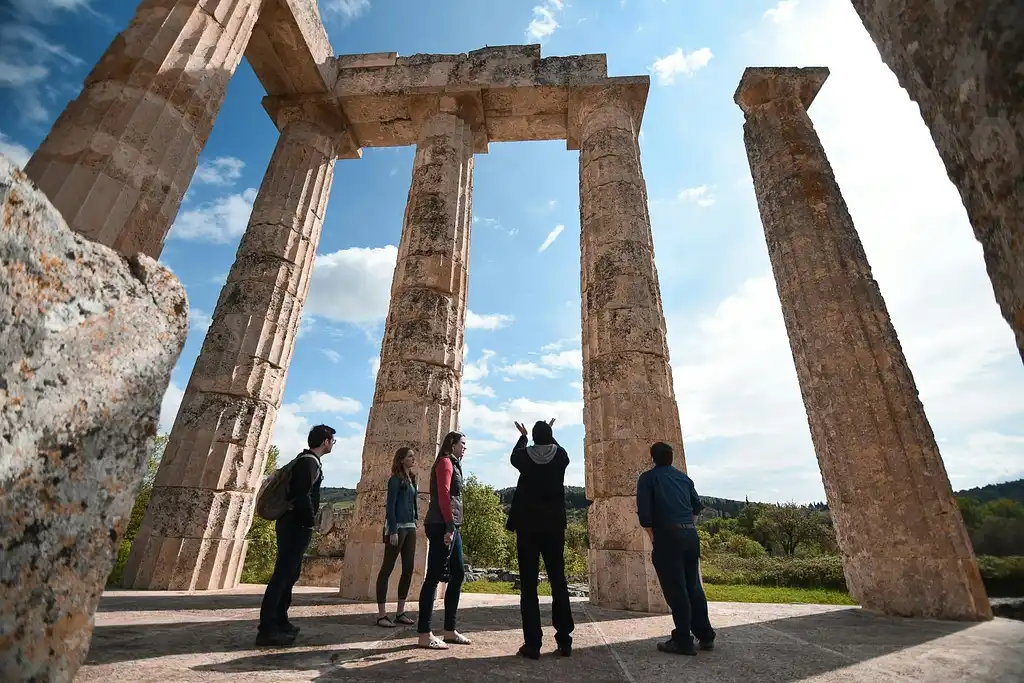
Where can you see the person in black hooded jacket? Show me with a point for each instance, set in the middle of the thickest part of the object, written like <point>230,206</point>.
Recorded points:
<point>537,515</point>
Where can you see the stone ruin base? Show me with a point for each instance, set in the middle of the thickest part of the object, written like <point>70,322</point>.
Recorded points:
<point>322,566</point>
<point>323,572</point>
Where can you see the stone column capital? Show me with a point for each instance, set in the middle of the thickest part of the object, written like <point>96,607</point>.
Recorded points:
<point>468,107</point>
<point>628,94</point>
<point>323,111</point>
<point>762,85</point>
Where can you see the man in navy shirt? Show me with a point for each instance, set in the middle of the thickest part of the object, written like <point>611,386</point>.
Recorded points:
<point>667,505</point>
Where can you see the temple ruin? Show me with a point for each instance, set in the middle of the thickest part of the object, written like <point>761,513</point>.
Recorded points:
<point>119,159</point>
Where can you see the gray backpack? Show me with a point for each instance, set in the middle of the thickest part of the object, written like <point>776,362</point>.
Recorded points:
<point>272,500</point>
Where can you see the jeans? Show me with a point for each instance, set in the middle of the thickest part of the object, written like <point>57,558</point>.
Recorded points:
<point>676,556</point>
<point>439,559</point>
<point>292,541</point>
<point>531,546</point>
<point>407,548</point>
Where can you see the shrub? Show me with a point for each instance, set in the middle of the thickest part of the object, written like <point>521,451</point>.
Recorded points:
<point>823,571</point>
<point>1003,576</point>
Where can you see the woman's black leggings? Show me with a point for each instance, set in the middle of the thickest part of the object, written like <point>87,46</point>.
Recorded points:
<point>407,548</point>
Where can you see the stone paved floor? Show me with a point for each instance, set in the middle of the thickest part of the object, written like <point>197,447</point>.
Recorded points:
<point>208,636</point>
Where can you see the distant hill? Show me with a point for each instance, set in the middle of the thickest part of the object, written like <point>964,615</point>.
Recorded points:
<point>1014,490</point>
<point>332,495</point>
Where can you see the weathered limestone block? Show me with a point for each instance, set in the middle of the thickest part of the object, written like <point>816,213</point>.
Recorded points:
<point>214,458</point>
<point>629,401</point>
<point>322,566</point>
<point>960,61</point>
<point>120,157</point>
<point>867,423</point>
<point>416,401</point>
<point>88,340</point>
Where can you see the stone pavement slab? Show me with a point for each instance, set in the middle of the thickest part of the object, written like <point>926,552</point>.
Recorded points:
<point>208,636</point>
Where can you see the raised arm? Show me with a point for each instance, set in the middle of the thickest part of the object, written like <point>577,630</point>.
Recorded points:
<point>518,452</point>
<point>444,492</point>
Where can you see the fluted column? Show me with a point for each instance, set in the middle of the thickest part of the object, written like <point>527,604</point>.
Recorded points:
<point>193,534</point>
<point>629,401</point>
<point>118,160</point>
<point>905,548</point>
<point>416,401</point>
<point>960,61</point>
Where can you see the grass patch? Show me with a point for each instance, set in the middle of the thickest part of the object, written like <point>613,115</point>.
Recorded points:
<point>715,593</point>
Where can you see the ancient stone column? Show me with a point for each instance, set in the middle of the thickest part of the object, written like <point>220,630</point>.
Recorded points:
<point>628,397</point>
<point>905,548</point>
<point>416,401</point>
<point>193,534</point>
<point>960,61</point>
<point>119,158</point>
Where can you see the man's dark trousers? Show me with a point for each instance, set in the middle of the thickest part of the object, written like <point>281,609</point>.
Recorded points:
<point>531,546</point>
<point>676,556</point>
<point>292,541</point>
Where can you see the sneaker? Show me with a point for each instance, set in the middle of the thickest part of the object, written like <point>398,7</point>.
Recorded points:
<point>274,639</point>
<point>290,628</point>
<point>708,644</point>
<point>529,652</point>
<point>672,647</point>
<point>565,649</point>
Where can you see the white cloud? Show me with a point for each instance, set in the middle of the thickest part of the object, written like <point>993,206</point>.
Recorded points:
<point>321,402</point>
<point>169,407</point>
<point>19,154</point>
<point>31,64</point>
<point>343,465</point>
<point>680,63</point>
<point>219,171</point>
<point>348,9</point>
<point>495,224</point>
<point>222,220</point>
<point>331,355</point>
<point>527,370</point>
<point>472,372</point>
<point>701,196</point>
<point>481,422</point>
<point>474,389</point>
<point>352,285</point>
<point>564,359</point>
<point>487,321</point>
<point>552,236</point>
<point>782,12</point>
<point>374,367</point>
<point>544,20</point>
<point>198,320</point>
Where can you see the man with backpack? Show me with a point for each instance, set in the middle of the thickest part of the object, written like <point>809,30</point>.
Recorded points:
<point>291,497</point>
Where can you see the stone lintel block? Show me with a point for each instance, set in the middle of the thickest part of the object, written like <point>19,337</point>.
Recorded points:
<point>628,373</point>
<point>217,442</point>
<point>643,416</point>
<point>616,330</point>
<point>406,380</point>
<point>440,271</point>
<point>616,198</point>
<point>612,467</point>
<point>88,340</point>
<point>289,50</point>
<point>184,564</point>
<point>177,511</point>
<point>625,580</point>
<point>410,421</point>
<point>762,85</point>
<point>323,572</point>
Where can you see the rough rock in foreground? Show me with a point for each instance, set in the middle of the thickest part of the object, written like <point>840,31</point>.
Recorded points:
<point>87,343</point>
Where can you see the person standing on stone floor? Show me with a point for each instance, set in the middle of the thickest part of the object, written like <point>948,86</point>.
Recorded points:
<point>444,552</point>
<point>399,535</point>
<point>294,530</point>
<point>537,515</point>
<point>667,505</point>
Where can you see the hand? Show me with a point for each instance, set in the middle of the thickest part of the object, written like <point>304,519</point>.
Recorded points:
<point>393,539</point>
<point>521,428</point>
<point>551,422</point>
<point>449,538</point>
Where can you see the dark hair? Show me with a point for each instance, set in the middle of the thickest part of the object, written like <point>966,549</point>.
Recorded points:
<point>542,433</point>
<point>319,434</point>
<point>450,440</point>
<point>398,468</point>
<point>661,453</point>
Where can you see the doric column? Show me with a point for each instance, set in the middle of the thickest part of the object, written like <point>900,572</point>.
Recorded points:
<point>629,401</point>
<point>416,401</point>
<point>905,548</point>
<point>960,61</point>
<point>119,158</point>
<point>193,534</point>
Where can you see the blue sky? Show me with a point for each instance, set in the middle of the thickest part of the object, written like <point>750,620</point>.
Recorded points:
<point>744,427</point>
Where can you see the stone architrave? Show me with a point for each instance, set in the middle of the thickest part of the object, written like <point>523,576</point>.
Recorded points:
<point>416,401</point>
<point>905,548</point>
<point>118,160</point>
<point>628,396</point>
<point>88,339</point>
<point>193,534</point>
<point>960,61</point>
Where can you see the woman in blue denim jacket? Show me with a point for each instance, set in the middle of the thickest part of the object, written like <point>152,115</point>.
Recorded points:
<point>399,535</point>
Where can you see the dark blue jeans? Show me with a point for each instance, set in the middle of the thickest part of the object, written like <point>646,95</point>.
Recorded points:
<point>531,546</point>
<point>676,556</point>
<point>439,559</point>
<point>292,541</point>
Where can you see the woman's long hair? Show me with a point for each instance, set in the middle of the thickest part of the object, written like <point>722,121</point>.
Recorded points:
<point>449,441</point>
<point>398,468</point>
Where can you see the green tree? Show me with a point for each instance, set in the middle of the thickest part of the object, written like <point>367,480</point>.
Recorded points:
<point>577,550</point>
<point>483,525</point>
<point>788,526</point>
<point>262,551</point>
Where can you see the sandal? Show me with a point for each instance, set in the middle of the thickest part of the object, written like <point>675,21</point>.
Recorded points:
<point>457,639</point>
<point>404,618</point>
<point>385,622</point>
<point>434,644</point>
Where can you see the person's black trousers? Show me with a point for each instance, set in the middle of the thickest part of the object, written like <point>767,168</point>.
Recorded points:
<point>676,556</point>
<point>531,546</point>
<point>407,549</point>
<point>292,541</point>
<point>442,560</point>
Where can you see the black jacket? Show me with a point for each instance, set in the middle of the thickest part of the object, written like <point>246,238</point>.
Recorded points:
<point>304,490</point>
<point>539,501</point>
